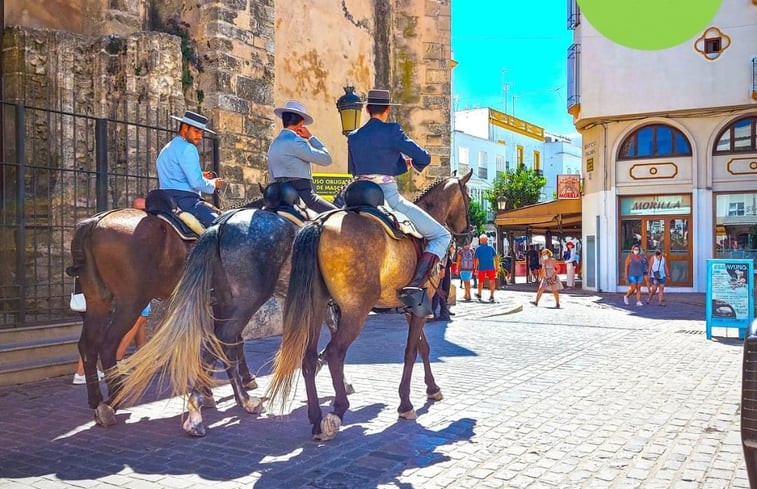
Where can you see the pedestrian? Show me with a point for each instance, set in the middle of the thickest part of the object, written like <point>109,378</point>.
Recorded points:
<point>379,151</point>
<point>292,152</point>
<point>634,269</point>
<point>570,265</point>
<point>659,272</point>
<point>550,280</point>
<point>179,172</point>
<point>465,266</point>
<point>485,265</point>
<point>534,267</point>
<point>441,296</point>
<point>645,269</point>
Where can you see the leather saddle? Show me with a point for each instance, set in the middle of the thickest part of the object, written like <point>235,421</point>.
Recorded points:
<point>367,199</point>
<point>282,198</point>
<point>164,207</point>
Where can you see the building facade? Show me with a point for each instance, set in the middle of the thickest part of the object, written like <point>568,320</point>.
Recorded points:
<point>669,147</point>
<point>491,142</point>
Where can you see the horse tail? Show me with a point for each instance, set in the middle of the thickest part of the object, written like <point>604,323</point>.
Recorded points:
<point>82,255</point>
<point>186,331</point>
<point>299,311</point>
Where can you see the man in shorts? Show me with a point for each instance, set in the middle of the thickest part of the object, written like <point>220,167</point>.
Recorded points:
<point>485,264</point>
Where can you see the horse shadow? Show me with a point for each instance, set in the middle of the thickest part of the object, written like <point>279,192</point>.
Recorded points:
<point>275,449</point>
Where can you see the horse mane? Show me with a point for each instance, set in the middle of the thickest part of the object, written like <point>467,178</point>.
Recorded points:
<point>428,188</point>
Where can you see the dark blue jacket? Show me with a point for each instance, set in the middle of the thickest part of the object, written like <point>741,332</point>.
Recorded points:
<point>375,149</point>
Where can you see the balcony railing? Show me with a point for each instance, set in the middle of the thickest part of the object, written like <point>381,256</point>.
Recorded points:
<point>574,14</point>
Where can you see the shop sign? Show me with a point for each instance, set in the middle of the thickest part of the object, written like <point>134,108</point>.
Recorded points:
<point>653,205</point>
<point>730,294</point>
<point>328,184</point>
<point>568,187</point>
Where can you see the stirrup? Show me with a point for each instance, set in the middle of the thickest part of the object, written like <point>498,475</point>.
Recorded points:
<point>417,300</point>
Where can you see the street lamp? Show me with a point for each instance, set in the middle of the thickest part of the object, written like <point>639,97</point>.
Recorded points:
<point>350,107</point>
<point>502,203</point>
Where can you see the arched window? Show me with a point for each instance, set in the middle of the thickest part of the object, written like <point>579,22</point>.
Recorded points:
<point>654,141</point>
<point>739,137</point>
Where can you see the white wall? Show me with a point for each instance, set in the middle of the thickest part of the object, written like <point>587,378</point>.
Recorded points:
<point>615,80</point>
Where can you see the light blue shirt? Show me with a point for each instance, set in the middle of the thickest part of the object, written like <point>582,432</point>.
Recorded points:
<point>179,168</point>
<point>290,155</point>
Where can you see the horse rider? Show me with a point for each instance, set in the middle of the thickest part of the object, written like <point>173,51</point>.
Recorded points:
<point>379,151</point>
<point>292,152</point>
<point>179,172</point>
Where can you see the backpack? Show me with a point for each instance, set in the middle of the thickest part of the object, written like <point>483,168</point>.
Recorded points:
<point>466,260</point>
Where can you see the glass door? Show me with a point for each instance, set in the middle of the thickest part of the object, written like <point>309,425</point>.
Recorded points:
<point>670,235</point>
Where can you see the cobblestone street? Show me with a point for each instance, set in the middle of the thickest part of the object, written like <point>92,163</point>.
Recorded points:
<point>595,394</point>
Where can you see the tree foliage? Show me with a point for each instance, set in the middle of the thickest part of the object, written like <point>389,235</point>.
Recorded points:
<point>477,216</point>
<point>521,187</point>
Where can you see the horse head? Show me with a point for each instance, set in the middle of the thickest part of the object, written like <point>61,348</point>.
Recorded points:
<point>458,214</point>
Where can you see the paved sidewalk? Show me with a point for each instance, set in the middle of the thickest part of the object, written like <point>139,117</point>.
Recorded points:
<point>595,394</point>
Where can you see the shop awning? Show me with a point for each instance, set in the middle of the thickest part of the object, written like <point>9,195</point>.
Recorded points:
<point>555,215</point>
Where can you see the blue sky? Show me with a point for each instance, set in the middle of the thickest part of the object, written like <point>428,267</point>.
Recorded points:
<point>527,39</point>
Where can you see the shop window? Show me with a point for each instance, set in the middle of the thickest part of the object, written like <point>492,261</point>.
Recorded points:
<point>654,141</point>
<point>739,137</point>
<point>658,222</point>
<point>736,225</point>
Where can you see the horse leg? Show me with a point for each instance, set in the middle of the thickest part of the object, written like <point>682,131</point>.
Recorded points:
<point>89,345</point>
<point>122,318</point>
<point>229,331</point>
<point>197,399</point>
<point>433,391</point>
<point>248,378</point>
<point>348,329</point>
<point>415,328</point>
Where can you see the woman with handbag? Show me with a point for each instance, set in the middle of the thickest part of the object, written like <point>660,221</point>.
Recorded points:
<point>549,278</point>
<point>659,272</point>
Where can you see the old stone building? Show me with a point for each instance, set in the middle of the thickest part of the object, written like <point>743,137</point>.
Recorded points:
<point>235,60</point>
<point>75,64</point>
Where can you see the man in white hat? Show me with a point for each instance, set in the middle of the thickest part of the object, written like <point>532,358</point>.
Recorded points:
<point>379,151</point>
<point>292,152</point>
<point>179,171</point>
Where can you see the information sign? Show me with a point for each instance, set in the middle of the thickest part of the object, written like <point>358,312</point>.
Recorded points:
<point>730,294</point>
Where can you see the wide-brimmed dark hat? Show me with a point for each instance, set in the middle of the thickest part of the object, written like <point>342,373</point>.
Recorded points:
<point>195,120</point>
<point>377,96</point>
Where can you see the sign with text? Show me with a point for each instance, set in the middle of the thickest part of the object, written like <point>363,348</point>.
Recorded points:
<point>730,294</point>
<point>655,204</point>
<point>568,187</point>
<point>328,184</point>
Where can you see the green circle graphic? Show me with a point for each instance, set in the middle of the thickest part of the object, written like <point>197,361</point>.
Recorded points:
<point>649,24</point>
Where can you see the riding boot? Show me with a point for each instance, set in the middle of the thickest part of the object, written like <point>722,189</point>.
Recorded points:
<point>414,295</point>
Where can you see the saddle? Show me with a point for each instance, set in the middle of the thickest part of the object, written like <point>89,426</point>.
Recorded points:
<point>367,199</point>
<point>281,198</point>
<point>164,207</point>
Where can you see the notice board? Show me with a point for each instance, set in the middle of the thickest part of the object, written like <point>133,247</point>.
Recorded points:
<point>730,294</point>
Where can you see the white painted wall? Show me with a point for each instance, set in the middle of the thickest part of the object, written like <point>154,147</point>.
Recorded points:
<point>615,80</point>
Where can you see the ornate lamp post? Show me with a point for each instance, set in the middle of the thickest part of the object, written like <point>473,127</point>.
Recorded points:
<point>350,108</point>
<point>502,207</point>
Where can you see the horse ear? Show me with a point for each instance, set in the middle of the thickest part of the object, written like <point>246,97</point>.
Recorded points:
<point>467,176</point>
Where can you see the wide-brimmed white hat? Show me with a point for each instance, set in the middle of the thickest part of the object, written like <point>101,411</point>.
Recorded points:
<point>296,108</point>
<point>195,120</point>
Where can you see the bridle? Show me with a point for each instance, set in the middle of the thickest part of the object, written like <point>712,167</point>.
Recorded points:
<point>466,202</point>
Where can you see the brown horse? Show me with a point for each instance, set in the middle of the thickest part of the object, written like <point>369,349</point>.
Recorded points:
<point>351,259</point>
<point>123,258</point>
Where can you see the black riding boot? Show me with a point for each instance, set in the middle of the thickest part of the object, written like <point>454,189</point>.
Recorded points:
<point>414,295</point>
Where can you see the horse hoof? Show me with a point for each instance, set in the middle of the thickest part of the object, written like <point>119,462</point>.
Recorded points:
<point>348,389</point>
<point>208,401</point>
<point>408,415</point>
<point>329,428</point>
<point>192,428</point>
<point>251,384</point>
<point>105,415</point>
<point>253,405</point>
<point>436,396</point>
